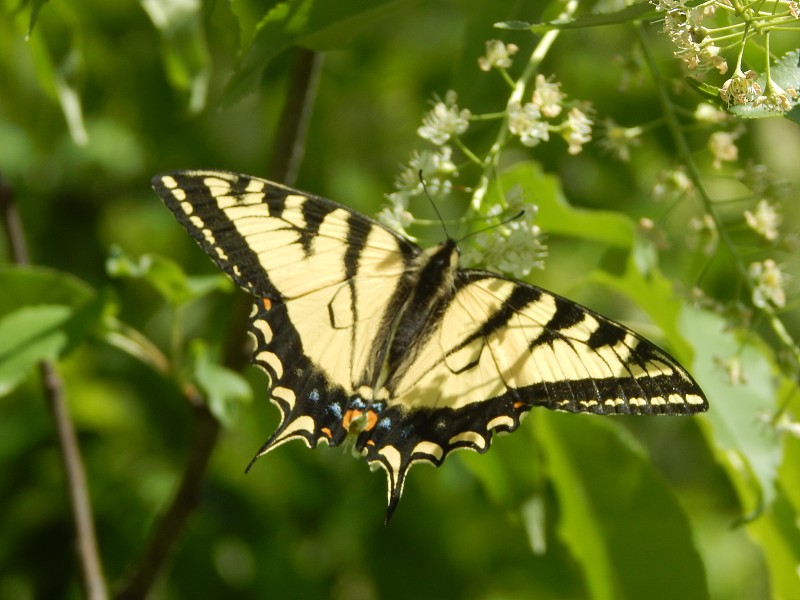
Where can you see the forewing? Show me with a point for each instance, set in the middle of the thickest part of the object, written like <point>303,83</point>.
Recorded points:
<point>326,282</point>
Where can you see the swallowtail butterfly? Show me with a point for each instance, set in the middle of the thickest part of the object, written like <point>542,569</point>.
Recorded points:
<point>368,337</point>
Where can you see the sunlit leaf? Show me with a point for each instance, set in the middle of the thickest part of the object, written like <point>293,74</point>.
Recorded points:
<point>40,332</point>
<point>165,275</point>
<point>27,337</point>
<point>223,388</point>
<point>66,78</point>
<point>36,6</point>
<point>556,215</point>
<point>745,445</point>
<point>777,533</point>
<point>621,522</point>
<point>32,285</point>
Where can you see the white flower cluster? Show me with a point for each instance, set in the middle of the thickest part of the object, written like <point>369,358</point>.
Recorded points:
<point>769,284</point>
<point>744,89</point>
<point>765,220</point>
<point>684,26</point>
<point>444,121</point>
<point>527,121</point>
<point>437,169</point>
<point>695,37</point>
<point>703,234</point>
<point>619,140</point>
<point>515,247</point>
<point>723,147</point>
<point>672,184</point>
<point>498,55</point>
<point>741,88</point>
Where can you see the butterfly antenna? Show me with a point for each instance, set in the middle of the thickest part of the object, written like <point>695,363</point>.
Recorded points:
<point>488,227</point>
<point>435,208</point>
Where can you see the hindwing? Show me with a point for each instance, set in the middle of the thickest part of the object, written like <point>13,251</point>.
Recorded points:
<point>319,271</point>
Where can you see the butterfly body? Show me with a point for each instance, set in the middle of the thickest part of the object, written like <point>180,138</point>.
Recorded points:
<point>366,336</point>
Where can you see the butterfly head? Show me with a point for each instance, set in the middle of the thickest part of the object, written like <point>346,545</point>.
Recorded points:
<point>443,257</point>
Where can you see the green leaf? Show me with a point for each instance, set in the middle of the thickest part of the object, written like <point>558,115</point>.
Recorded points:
<point>68,73</point>
<point>309,23</point>
<point>708,92</point>
<point>36,6</point>
<point>654,294</point>
<point>33,334</point>
<point>786,70</point>
<point>60,73</point>
<point>620,520</point>
<point>749,450</point>
<point>186,56</point>
<point>794,114</point>
<point>31,285</point>
<point>556,215</point>
<point>27,337</point>
<point>223,388</point>
<point>44,314</point>
<point>779,537</point>
<point>165,275</point>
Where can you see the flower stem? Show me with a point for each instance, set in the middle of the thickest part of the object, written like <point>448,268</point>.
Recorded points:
<point>520,85</point>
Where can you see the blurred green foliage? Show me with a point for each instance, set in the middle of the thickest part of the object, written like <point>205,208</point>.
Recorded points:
<point>96,97</point>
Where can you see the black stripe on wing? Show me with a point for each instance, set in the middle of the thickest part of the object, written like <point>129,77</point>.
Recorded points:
<point>211,227</point>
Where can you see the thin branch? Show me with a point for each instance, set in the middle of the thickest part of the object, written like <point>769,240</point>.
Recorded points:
<point>170,527</point>
<point>91,567</point>
<point>520,85</point>
<point>295,117</point>
<point>172,523</point>
<point>12,223</point>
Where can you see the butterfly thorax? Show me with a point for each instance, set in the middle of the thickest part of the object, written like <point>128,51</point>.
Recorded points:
<point>431,289</point>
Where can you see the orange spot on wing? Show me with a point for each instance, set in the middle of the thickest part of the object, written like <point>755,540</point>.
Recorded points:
<point>266,303</point>
<point>519,404</point>
<point>327,432</point>
<point>372,418</point>
<point>353,414</point>
<point>349,416</point>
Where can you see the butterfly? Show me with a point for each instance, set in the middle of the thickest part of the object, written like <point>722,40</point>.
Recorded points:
<point>367,337</point>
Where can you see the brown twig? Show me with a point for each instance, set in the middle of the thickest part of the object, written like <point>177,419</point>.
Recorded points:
<point>91,567</point>
<point>153,560</point>
<point>172,523</point>
<point>289,146</point>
